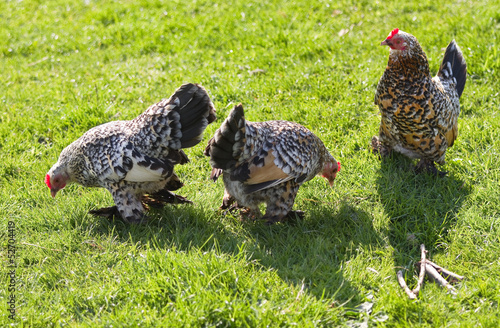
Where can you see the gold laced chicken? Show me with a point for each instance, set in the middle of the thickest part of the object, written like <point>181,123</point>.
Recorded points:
<point>419,112</point>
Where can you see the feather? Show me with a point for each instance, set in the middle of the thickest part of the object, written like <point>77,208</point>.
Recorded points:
<point>266,162</point>
<point>132,158</point>
<point>419,113</point>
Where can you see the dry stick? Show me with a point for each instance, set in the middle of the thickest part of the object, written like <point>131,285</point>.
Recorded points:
<point>403,285</point>
<point>421,275</point>
<point>434,275</point>
<point>38,61</point>
<point>301,292</point>
<point>445,272</point>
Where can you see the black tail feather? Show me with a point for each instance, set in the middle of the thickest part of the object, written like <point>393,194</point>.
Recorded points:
<point>177,122</point>
<point>224,142</point>
<point>195,107</point>
<point>196,111</point>
<point>227,144</point>
<point>454,65</point>
<point>192,135</point>
<point>185,93</point>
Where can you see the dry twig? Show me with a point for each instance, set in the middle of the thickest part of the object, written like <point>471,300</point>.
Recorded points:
<point>435,273</point>
<point>38,61</point>
<point>450,276</point>
<point>436,277</point>
<point>421,275</point>
<point>403,285</point>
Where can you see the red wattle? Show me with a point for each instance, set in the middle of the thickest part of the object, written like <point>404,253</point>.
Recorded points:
<point>47,181</point>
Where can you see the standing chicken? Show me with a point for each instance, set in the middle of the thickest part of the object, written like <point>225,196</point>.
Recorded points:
<point>137,157</point>
<point>266,162</point>
<point>419,113</point>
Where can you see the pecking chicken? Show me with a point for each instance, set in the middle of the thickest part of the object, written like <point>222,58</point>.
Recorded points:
<point>266,162</point>
<point>419,112</point>
<point>137,157</point>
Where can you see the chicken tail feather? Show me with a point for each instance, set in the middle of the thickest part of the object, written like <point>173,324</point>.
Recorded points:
<point>227,144</point>
<point>196,111</point>
<point>454,66</point>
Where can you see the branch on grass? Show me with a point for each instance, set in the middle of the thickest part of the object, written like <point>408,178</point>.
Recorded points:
<point>448,275</point>
<point>436,277</point>
<point>421,275</point>
<point>435,273</point>
<point>403,285</point>
<point>38,61</point>
<point>301,291</point>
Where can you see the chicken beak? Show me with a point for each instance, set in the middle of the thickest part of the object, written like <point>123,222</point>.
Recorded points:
<point>331,181</point>
<point>386,42</point>
<point>53,192</point>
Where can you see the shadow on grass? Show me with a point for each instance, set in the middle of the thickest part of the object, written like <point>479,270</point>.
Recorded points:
<point>308,253</point>
<point>314,251</point>
<point>422,208</point>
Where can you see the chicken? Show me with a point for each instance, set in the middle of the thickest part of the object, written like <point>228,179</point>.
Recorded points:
<point>266,162</point>
<point>137,157</point>
<point>419,113</point>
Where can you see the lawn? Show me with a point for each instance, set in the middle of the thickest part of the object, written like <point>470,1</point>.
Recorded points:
<point>67,66</point>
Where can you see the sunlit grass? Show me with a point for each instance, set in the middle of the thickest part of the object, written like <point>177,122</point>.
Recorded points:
<point>68,66</point>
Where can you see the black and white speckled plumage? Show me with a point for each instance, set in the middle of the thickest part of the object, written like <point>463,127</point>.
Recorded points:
<point>419,112</point>
<point>266,162</point>
<point>136,157</point>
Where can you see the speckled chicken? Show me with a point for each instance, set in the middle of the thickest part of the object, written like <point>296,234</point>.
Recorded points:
<point>137,157</point>
<point>266,162</point>
<point>419,112</point>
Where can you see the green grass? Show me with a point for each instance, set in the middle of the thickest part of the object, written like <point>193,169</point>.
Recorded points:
<point>70,65</point>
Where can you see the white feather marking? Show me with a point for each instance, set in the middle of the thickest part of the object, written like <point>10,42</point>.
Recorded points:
<point>143,174</point>
<point>286,169</point>
<point>153,131</point>
<point>88,162</point>
<point>113,173</point>
<point>172,106</point>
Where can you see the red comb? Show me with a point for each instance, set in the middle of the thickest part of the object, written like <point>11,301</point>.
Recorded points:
<point>338,163</point>
<point>47,181</point>
<point>393,33</point>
